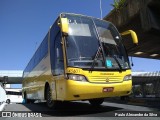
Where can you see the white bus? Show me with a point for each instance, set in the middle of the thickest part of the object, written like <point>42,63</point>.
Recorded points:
<point>3,96</point>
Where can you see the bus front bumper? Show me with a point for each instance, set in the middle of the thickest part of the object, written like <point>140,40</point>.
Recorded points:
<point>76,90</point>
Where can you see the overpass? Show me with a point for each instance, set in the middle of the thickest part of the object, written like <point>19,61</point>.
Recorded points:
<point>145,77</point>
<point>11,76</point>
<point>142,16</point>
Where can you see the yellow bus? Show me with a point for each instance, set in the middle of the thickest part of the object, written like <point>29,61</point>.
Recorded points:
<point>80,58</point>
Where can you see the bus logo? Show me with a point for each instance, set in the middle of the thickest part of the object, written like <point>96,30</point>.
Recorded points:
<point>107,79</point>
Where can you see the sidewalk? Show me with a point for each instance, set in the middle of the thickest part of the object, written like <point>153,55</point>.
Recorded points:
<point>155,102</point>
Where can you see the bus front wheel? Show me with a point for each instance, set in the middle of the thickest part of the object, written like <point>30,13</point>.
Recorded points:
<point>96,102</point>
<point>50,103</point>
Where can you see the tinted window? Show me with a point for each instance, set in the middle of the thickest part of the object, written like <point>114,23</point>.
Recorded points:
<point>54,35</point>
<point>58,64</point>
<point>38,56</point>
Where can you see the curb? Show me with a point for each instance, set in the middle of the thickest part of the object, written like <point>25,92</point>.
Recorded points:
<point>137,101</point>
<point>2,106</point>
<point>154,102</point>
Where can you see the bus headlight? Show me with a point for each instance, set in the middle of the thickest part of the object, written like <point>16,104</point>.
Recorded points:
<point>128,77</point>
<point>77,77</point>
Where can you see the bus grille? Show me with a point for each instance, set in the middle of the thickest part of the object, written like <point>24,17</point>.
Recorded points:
<point>105,79</point>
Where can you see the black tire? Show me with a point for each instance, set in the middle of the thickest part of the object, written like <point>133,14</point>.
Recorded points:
<point>50,103</point>
<point>96,102</point>
<point>8,101</point>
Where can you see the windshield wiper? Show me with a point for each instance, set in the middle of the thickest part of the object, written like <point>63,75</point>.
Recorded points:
<point>95,58</point>
<point>119,65</point>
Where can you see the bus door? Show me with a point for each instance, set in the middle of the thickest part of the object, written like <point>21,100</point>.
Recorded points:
<point>59,68</point>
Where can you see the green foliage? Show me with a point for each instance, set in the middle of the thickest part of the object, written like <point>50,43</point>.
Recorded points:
<point>118,4</point>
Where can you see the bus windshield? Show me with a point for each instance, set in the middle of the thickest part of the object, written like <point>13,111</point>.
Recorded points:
<point>86,35</point>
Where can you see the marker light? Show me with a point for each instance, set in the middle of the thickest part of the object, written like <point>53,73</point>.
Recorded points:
<point>128,77</point>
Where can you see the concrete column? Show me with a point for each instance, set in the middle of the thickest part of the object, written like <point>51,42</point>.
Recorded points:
<point>156,88</point>
<point>133,91</point>
<point>143,90</point>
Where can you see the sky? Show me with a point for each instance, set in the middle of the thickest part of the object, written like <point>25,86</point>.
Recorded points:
<point>24,24</point>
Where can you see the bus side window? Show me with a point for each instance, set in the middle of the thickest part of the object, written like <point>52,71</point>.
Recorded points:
<point>58,65</point>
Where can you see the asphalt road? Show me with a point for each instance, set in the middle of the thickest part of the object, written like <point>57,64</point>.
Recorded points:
<point>83,110</point>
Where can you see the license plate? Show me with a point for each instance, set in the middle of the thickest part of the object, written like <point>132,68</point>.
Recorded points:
<point>108,89</point>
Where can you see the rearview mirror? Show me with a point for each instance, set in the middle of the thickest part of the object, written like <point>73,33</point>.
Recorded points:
<point>133,35</point>
<point>64,25</point>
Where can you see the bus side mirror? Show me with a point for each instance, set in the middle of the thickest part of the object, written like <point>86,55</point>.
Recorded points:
<point>133,35</point>
<point>64,25</point>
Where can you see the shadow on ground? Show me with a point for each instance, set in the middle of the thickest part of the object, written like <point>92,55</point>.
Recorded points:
<point>70,109</point>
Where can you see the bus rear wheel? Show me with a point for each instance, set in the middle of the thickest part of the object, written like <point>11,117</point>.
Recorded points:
<point>50,103</point>
<point>96,102</point>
